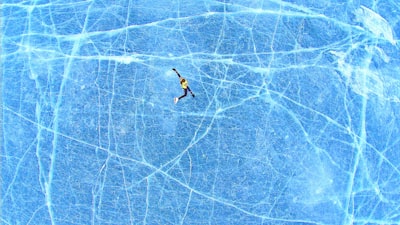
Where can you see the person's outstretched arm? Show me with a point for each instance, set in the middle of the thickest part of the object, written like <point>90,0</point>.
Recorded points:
<point>176,71</point>
<point>190,91</point>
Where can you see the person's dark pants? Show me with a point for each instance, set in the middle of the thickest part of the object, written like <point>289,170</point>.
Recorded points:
<point>185,92</point>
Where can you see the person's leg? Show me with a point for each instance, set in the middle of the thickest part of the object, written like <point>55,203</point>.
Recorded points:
<point>184,94</point>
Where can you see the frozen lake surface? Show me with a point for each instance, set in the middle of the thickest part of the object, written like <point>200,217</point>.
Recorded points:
<point>296,118</point>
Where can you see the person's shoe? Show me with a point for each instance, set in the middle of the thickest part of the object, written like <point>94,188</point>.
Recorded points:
<point>192,95</point>
<point>176,100</point>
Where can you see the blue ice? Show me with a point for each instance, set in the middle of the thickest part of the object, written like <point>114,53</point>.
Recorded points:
<point>295,119</point>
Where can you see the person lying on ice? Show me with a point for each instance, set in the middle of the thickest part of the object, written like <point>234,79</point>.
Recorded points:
<point>184,85</point>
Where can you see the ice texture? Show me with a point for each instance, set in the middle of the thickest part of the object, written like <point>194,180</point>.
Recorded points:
<point>296,118</point>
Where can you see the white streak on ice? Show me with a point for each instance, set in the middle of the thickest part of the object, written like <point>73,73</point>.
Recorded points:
<point>375,23</point>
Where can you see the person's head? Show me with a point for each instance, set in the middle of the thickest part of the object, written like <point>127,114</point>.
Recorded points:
<point>182,80</point>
